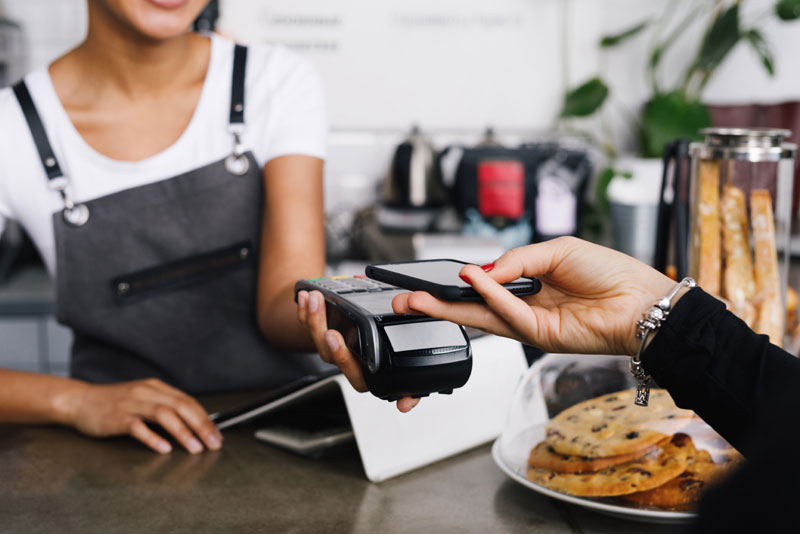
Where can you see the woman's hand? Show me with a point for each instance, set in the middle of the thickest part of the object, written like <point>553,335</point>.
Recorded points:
<point>331,345</point>
<point>590,300</point>
<point>119,409</point>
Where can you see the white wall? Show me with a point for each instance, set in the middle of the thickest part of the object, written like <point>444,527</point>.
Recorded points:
<point>51,26</point>
<point>449,64</point>
<point>458,65</point>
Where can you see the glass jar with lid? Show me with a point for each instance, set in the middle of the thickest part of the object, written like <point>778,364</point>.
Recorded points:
<point>740,199</point>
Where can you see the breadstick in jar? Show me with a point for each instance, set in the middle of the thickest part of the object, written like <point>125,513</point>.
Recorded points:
<point>707,261</point>
<point>791,308</point>
<point>771,313</point>
<point>738,284</point>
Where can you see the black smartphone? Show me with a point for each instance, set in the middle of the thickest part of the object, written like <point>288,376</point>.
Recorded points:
<point>440,279</point>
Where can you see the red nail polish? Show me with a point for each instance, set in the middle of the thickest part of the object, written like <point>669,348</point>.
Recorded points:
<point>488,267</point>
<point>465,278</point>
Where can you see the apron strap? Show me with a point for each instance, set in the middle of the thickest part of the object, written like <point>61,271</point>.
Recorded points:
<point>237,163</point>
<point>237,86</point>
<point>74,214</point>
<point>46,154</point>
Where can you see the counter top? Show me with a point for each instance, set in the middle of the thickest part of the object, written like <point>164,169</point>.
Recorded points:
<point>56,480</point>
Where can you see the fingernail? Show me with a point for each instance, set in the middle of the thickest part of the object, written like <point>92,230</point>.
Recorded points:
<point>302,300</point>
<point>214,441</point>
<point>465,278</point>
<point>194,446</point>
<point>488,267</point>
<point>164,447</point>
<point>332,341</point>
<point>313,302</point>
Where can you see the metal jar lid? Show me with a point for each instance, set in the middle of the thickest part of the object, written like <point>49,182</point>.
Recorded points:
<point>749,144</point>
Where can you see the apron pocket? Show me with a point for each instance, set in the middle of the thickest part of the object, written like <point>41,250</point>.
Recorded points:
<point>180,273</point>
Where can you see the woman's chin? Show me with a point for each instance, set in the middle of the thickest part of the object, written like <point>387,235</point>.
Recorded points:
<point>156,19</point>
<point>161,30</point>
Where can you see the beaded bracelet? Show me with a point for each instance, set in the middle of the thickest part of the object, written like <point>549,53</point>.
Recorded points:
<point>649,323</point>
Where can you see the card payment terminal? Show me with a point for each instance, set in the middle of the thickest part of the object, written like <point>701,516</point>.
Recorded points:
<point>401,355</point>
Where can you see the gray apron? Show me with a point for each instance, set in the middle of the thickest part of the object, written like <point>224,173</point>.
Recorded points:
<point>160,280</point>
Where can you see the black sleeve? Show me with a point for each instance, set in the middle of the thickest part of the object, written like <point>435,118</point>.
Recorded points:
<point>749,391</point>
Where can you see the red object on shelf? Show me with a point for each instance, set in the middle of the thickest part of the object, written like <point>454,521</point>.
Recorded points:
<point>501,188</point>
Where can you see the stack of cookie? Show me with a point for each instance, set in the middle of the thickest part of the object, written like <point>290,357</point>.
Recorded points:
<point>607,447</point>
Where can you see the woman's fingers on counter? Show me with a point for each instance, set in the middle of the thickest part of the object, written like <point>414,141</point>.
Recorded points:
<point>169,421</point>
<point>188,411</point>
<point>178,414</point>
<point>104,410</point>
<point>141,432</point>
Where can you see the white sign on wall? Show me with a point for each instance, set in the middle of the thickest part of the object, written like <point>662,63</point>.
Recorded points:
<point>447,64</point>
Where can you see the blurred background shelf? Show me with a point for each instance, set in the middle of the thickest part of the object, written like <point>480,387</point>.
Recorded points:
<point>32,340</point>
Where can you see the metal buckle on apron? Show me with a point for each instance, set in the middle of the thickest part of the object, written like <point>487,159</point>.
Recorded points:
<point>74,214</point>
<point>237,163</point>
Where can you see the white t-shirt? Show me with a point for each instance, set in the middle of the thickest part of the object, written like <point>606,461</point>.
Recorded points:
<point>284,114</point>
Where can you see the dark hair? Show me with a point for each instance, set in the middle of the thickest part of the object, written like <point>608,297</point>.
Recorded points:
<point>206,21</point>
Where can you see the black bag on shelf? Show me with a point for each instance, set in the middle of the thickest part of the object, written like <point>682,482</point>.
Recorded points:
<point>543,184</point>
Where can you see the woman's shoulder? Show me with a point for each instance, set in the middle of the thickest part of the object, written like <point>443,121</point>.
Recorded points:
<point>274,65</point>
<point>12,121</point>
<point>9,105</point>
<point>7,99</point>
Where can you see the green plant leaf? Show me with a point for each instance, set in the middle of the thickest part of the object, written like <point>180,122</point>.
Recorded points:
<point>609,41</point>
<point>585,99</point>
<point>788,9</point>
<point>655,57</point>
<point>592,222</point>
<point>756,40</point>
<point>669,116</point>
<point>603,181</point>
<point>720,39</point>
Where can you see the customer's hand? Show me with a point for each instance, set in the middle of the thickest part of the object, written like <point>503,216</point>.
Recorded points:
<point>590,300</point>
<point>118,409</point>
<point>331,345</point>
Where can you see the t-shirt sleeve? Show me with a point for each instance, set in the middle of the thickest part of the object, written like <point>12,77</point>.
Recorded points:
<point>296,121</point>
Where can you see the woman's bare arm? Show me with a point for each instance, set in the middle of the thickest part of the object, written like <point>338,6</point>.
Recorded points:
<point>292,245</point>
<point>35,398</point>
<point>108,410</point>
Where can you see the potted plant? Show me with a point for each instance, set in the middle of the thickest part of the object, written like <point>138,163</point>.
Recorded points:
<point>674,108</point>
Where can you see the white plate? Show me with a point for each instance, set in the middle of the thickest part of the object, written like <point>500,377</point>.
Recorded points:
<point>510,453</point>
